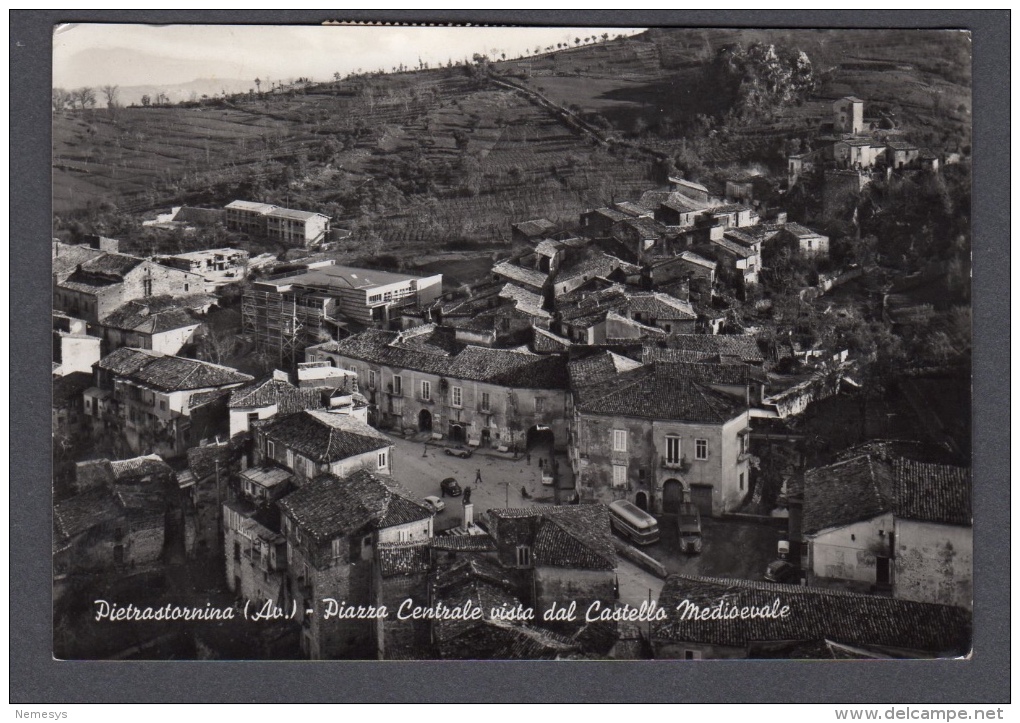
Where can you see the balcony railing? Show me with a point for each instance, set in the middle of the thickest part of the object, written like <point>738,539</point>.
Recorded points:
<point>681,465</point>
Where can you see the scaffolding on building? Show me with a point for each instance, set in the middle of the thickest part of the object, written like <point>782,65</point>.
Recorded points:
<point>282,325</point>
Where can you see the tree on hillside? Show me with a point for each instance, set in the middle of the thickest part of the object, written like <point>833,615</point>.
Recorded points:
<point>146,101</point>
<point>61,99</point>
<point>111,93</point>
<point>84,97</point>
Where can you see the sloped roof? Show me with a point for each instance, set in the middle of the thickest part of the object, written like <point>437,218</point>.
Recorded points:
<point>330,507</point>
<point>504,367</point>
<point>250,206</point>
<point>403,558</point>
<point>525,301</point>
<point>661,392</point>
<point>799,231</point>
<point>930,492</point>
<point>548,342</point>
<point>520,274</point>
<point>84,511</point>
<point>67,258</point>
<point>153,315</point>
<point>661,306</point>
<point>737,373</point>
<point>202,461</point>
<point>693,258</point>
<point>592,262</point>
<point>815,614</point>
<point>846,492</point>
<point>575,536</point>
<point>708,347</point>
<point>69,388</point>
<point>535,227</point>
<point>169,373</point>
<point>324,436</point>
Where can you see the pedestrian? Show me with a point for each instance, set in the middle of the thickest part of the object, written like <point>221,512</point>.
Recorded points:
<point>425,452</point>
<point>540,461</point>
<point>529,457</point>
<point>478,477</point>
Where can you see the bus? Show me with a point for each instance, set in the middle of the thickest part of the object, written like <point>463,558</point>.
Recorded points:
<point>634,523</point>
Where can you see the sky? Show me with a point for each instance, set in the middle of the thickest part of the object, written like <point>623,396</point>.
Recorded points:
<point>97,54</point>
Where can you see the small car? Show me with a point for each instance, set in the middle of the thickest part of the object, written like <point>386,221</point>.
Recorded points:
<point>450,487</point>
<point>435,503</point>
<point>782,571</point>
<point>462,452</point>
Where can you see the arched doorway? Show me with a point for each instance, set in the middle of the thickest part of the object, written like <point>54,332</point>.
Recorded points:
<point>486,437</point>
<point>641,501</point>
<point>424,421</point>
<point>672,495</point>
<point>457,432</point>
<point>540,437</point>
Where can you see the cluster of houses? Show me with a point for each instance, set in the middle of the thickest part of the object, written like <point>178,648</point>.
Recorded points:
<point>602,341</point>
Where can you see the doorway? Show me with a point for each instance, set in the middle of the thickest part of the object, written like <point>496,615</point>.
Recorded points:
<point>424,421</point>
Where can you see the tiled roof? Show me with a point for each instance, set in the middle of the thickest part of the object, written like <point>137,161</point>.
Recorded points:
<point>210,397</point>
<point>710,373</point>
<point>588,374</point>
<point>710,346</point>
<point>734,248</point>
<point>526,301</point>
<point>840,494</point>
<point>513,272</point>
<point>114,265</point>
<point>169,373</point>
<point>815,614</point>
<point>546,341</point>
<point>69,388</point>
<point>612,214</point>
<point>324,436</point>
<point>800,231</point>
<point>592,262</point>
<point>250,206</point>
<point>693,258</point>
<point>901,146</point>
<point>729,208</point>
<point>933,492</point>
<point>150,316</point>
<point>403,558</point>
<point>661,306</point>
<point>282,393</point>
<point>535,227</point>
<point>631,209</point>
<point>504,367</point>
<point>674,200</point>
<point>293,214</point>
<point>67,258</point>
<point>84,511</point>
<point>329,507</point>
<point>575,536</point>
<point>658,391</point>
<point>463,543</point>
<point>202,461</point>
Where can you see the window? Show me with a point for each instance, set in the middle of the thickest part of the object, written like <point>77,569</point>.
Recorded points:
<point>252,417</point>
<point>146,287</point>
<point>426,390</point>
<point>337,547</point>
<point>382,460</point>
<point>619,440</point>
<point>162,405</point>
<point>539,405</point>
<point>371,379</point>
<point>397,388</point>
<point>672,450</point>
<point>523,556</point>
<point>270,449</point>
<point>619,475</point>
<point>457,396</point>
<point>701,449</point>
<point>403,535</point>
<point>237,551</point>
<point>485,401</point>
<point>187,287</point>
<point>741,481</point>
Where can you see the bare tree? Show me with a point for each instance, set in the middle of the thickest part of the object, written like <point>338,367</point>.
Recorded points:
<point>61,99</point>
<point>84,97</point>
<point>112,94</point>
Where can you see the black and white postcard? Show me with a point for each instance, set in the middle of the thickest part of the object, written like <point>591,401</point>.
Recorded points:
<point>517,343</point>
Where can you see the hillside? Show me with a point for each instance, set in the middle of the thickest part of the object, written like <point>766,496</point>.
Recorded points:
<point>447,158</point>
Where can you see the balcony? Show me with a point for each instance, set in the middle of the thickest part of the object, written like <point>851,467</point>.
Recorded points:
<point>682,465</point>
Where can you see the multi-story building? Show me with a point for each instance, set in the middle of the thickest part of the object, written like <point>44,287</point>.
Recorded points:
<point>159,323</point>
<point>100,285</point>
<point>286,314</point>
<point>160,403</point>
<point>314,442</point>
<point>658,435</point>
<point>848,115</point>
<point>248,216</point>
<point>296,228</point>
<point>425,380</point>
<point>333,528</point>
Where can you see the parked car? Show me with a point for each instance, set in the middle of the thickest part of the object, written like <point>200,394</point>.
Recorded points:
<point>450,487</point>
<point>462,452</point>
<point>688,521</point>
<point>782,571</point>
<point>435,503</point>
